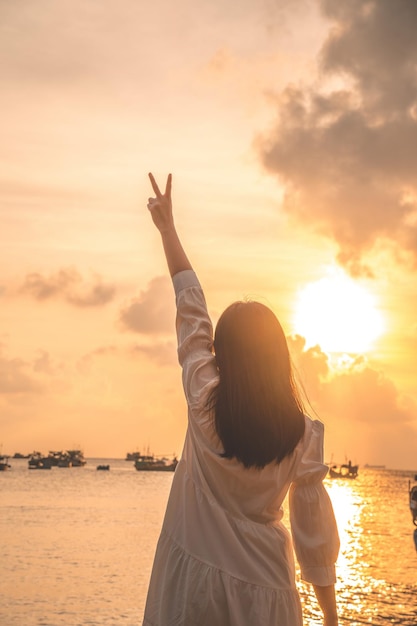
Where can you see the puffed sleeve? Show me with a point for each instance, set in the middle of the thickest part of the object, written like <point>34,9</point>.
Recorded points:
<point>313,525</point>
<point>194,336</point>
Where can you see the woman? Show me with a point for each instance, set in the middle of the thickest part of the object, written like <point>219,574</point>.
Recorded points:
<point>224,558</point>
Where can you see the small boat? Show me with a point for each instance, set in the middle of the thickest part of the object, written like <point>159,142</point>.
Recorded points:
<point>412,493</point>
<point>72,458</point>
<point>103,467</point>
<point>4,463</point>
<point>346,470</point>
<point>55,457</point>
<point>132,456</point>
<point>150,463</point>
<point>38,461</point>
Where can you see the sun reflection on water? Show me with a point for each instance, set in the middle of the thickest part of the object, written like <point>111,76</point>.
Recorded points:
<point>369,557</point>
<point>348,506</point>
<point>352,563</point>
<point>373,568</point>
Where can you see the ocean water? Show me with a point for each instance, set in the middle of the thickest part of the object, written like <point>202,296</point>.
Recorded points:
<point>76,546</point>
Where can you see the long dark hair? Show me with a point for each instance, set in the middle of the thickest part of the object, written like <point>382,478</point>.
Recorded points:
<point>258,413</point>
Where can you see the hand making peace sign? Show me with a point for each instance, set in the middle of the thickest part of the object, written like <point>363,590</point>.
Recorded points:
<point>161,206</point>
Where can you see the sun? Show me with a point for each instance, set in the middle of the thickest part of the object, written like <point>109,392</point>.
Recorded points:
<point>338,314</point>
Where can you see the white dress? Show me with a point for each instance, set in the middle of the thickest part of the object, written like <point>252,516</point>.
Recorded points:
<point>224,558</point>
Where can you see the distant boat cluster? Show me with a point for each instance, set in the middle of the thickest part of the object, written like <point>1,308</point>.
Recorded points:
<point>75,458</point>
<point>63,458</point>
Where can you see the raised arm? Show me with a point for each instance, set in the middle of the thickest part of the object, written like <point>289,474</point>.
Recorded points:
<point>160,208</point>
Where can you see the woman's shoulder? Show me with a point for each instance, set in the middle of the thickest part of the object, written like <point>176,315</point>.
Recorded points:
<point>313,428</point>
<point>308,462</point>
<point>311,441</point>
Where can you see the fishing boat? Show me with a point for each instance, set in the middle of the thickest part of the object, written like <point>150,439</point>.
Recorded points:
<point>132,456</point>
<point>72,458</point>
<point>104,468</point>
<point>4,463</point>
<point>346,470</point>
<point>150,463</point>
<point>38,461</point>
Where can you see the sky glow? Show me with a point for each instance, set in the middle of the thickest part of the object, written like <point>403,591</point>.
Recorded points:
<point>287,159</point>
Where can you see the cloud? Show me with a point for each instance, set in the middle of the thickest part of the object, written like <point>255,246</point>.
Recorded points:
<point>95,295</point>
<point>15,377</point>
<point>347,155</point>
<point>370,396</point>
<point>163,353</point>
<point>354,389</point>
<point>375,43</point>
<point>365,414</point>
<point>311,365</point>
<point>43,363</point>
<point>84,363</point>
<point>153,311</point>
<point>68,284</point>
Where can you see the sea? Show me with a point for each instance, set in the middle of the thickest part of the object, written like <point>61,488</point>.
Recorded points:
<point>77,545</point>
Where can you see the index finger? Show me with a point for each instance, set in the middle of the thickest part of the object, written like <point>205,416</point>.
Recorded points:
<point>155,186</point>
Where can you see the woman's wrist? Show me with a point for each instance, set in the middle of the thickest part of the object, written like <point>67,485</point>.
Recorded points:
<point>167,230</point>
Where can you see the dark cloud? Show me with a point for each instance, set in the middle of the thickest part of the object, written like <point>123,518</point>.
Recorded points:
<point>375,43</point>
<point>348,156</point>
<point>153,311</point>
<point>68,284</point>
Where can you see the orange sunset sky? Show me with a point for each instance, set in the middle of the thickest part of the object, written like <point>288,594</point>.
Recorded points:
<point>291,132</point>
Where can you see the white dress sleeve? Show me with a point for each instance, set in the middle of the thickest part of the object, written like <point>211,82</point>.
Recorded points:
<point>194,336</point>
<point>313,525</point>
